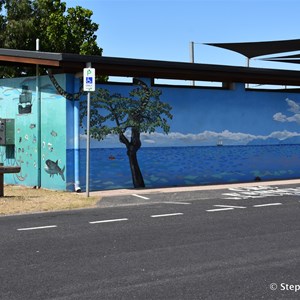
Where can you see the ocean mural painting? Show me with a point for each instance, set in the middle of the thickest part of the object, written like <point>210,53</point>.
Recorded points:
<point>181,166</point>
<point>216,136</point>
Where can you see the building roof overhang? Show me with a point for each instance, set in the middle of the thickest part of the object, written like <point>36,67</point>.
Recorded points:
<point>114,66</point>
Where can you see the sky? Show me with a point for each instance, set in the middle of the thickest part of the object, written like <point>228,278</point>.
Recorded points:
<point>163,29</point>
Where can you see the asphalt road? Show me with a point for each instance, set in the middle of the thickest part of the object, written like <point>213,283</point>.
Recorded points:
<point>230,244</point>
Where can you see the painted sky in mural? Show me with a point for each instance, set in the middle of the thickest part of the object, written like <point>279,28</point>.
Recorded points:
<point>211,117</point>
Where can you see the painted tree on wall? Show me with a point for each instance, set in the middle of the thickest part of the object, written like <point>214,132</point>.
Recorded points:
<point>128,117</point>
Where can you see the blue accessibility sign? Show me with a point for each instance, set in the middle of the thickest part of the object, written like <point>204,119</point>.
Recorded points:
<point>89,80</point>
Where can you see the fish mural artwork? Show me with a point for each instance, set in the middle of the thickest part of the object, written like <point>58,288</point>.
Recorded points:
<point>53,133</point>
<point>52,168</point>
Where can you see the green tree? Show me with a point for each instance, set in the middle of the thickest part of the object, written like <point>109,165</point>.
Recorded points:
<point>60,29</point>
<point>16,28</point>
<point>66,30</point>
<point>141,112</point>
<point>19,25</point>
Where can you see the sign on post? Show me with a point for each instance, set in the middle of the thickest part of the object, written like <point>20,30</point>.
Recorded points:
<point>89,80</point>
<point>89,85</point>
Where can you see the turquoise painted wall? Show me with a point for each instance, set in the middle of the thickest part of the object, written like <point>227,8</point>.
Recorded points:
<point>54,135</point>
<point>18,100</point>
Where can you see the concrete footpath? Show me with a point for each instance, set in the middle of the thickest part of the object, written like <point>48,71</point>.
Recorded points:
<point>124,192</point>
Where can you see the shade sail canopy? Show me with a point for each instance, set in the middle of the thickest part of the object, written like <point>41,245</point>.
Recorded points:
<point>294,59</point>
<point>287,57</point>
<point>254,49</point>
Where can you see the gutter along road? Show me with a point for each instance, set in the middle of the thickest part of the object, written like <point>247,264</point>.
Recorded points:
<point>229,244</point>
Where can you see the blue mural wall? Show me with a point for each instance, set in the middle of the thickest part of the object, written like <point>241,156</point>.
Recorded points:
<point>216,136</point>
<point>18,101</point>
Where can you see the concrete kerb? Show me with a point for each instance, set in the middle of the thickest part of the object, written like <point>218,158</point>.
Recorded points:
<point>124,192</point>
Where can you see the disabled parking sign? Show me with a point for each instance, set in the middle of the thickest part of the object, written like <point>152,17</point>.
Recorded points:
<point>89,79</point>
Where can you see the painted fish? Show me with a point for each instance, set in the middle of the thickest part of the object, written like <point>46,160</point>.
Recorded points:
<point>52,168</point>
<point>53,133</point>
<point>50,147</point>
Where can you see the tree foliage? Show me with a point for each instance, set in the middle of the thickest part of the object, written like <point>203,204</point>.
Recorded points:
<point>60,29</point>
<point>128,117</point>
<point>116,114</point>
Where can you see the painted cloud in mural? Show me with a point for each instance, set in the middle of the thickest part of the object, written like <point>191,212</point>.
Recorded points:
<point>211,137</point>
<point>294,108</point>
<point>207,138</point>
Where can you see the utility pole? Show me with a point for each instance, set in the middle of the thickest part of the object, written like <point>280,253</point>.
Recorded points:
<point>39,119</point>
<point>192,56</point>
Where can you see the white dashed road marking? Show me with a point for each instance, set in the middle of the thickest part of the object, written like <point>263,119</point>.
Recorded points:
<point>166,215</point>
<point>109,221</point>
<point>139,196</point>
<point>267,204</point>
<point>219,209</point>
<point>230,206</point>
<point>37,228</point>
<point>182,203</point>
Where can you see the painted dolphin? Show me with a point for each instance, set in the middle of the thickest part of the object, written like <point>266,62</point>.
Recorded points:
<point>52,168</point>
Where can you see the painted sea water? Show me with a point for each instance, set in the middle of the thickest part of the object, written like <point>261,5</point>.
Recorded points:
<point>181,166</point>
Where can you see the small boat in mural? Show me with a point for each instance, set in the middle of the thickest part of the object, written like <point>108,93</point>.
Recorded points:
<point>220,143</point>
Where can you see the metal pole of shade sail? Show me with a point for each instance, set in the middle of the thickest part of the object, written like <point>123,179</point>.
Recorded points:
<point>192,56</point>
<point>248,66</point>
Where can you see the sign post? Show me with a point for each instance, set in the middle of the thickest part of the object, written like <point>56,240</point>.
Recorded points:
<point>88,86</point>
